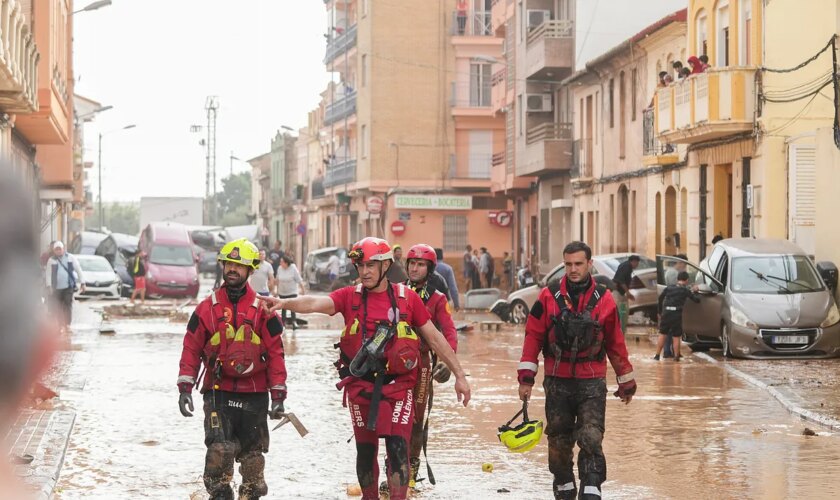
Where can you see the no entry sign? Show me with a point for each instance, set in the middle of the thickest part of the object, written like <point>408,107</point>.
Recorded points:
<point>398,227</point>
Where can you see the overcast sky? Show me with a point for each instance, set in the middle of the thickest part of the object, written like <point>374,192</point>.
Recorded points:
<point>156,61</point>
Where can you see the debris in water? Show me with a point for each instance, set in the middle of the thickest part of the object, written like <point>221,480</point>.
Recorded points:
<point>487,467</point>
<point>150,442</point>
<point>503,490</point>
<point>354,490</point>
<point>22,459</point>
<point>808,432</point>
<point>759,430</point>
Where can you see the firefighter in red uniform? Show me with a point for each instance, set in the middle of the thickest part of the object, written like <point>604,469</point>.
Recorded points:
<point>575,324</point>
<point>379,355</point>
<point>241,348</point>
<point>420,263</point>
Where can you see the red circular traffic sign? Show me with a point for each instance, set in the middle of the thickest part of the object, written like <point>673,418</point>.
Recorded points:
<point>398,227</point>
<point>504,218</point>
<point>374,204</point>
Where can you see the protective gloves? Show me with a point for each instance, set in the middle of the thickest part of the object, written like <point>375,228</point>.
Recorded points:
<point>277,409</point>
<point>185,399</point>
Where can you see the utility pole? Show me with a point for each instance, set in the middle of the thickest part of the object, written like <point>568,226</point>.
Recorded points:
<point>211,105</point>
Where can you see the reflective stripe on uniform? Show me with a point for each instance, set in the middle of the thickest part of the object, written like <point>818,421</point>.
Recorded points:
<point>186,379</point>
<point>591,490</point>
<point>627,377</point>
<point>566,487</point>
<point>527,365</point>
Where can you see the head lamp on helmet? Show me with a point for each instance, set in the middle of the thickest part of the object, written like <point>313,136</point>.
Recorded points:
<point>524,436</point>
<point>242,252</point>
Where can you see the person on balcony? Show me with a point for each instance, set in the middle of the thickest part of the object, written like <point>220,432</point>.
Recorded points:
<point>462,17</point>
<point>704,60</point>
<point>696,66</point>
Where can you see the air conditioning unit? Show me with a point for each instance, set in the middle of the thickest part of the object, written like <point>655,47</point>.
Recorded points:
<point>537,16</point>
<point>538,103</point>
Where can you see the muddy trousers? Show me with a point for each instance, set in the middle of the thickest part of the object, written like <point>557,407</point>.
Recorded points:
<point>394,425</point>
<point>575,411</point>
<point>238,433</point>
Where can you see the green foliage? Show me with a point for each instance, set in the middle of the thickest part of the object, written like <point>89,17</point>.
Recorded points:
<point>119,217</point>
<point>233,202</point>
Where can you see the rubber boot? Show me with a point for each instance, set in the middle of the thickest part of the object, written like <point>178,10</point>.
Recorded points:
<point>224,494</point>
<point>414,464</point>
<point>589,492</point>
<point>565,491</point>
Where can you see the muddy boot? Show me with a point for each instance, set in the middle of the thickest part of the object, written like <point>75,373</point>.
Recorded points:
<point>225,493</point>
<point>384,490</point>
<point>565,491</point>
<point>414,464</point>
<point>588,491</point>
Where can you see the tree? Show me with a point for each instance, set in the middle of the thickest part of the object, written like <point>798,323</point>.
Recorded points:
<point>233,202</point>
<point>119,217</point>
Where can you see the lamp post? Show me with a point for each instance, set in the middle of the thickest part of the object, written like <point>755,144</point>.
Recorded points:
<point>94,6</point>
<point>232,157</point>
<point>101,134</point>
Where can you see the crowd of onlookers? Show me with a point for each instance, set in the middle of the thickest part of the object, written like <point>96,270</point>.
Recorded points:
<point>695,66</point>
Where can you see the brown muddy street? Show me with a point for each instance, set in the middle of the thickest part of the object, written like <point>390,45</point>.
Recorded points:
<point>692,431</point>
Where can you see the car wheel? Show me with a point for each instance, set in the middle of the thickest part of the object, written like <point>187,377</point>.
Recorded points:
<point>724,341</point>
<point>518,312</point>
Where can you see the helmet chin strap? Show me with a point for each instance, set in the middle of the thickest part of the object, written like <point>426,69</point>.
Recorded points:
<point>382,275</point>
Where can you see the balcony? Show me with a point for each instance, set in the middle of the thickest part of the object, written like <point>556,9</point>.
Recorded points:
<point>340,109</point>
<point>714,104</point>
<point>582,159</point>
<point>340,44</point>
<point>653,151</point>
<point>472,23</point>
<point>548,149</point>
<point>498,92</point>
<point>341,172</point>
<point>18,61</point>
<point>550,53</point>
<point>471,99</point>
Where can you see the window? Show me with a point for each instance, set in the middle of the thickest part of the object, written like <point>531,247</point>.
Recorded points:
<point>364,140</point>
<point>480,81</point>
<point>454,233</point>
<point>622,112</point>
<point>634,76</point>
<point>364,70</point>
<point>702,34</point>
<point>612,103</point>
<point>744,45</point>
<point>171,255</point>
<point>520,115</point>
<point>722,40</point>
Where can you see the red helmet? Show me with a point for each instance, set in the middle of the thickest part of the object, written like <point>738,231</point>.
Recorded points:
<point>370,248</point>
<point>422,251</point>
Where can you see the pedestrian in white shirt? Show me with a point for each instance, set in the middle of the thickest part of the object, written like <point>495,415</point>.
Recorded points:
<point>262,279</point>
<point>289,283</point>
<point>63,275</point>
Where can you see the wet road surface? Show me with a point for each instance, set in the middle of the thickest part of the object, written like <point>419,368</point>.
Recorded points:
<point>693,430</point>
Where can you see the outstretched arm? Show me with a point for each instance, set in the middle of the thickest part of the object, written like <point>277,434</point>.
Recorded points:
<point>441,347</point>
<point>304,305</point>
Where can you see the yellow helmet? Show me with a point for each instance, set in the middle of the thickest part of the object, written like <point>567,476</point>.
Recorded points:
<point>524,436</point>
<point>240,251</point>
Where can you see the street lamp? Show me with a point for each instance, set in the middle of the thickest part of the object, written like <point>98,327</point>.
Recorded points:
<point>94,6</point>
<point>231,162</point>
<point>80,118</point>
<point>101,134</point>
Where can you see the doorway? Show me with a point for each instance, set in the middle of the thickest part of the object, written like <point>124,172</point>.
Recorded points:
<point>670,220</point>
<point>722,215</point>
<point>623,222</point>
<point>658,225</point>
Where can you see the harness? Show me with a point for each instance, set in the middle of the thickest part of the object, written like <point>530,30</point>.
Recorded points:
<point>575,331</point>
<point>235,353</point>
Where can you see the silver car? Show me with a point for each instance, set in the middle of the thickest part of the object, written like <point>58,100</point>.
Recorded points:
<point>100,278</point>
<point>643,287</point>
<point>760,298</point>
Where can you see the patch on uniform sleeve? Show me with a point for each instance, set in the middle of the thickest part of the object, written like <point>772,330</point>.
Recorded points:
<point>537,310</point>
<point>192,326</point>
<point>448,309</point>
<point>274,325</point>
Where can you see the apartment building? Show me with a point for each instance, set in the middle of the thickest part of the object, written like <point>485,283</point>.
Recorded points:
<point>36,90</point>
<point>613,170</point>
<point>408,131</point>
<point>531,166</point>
<point>749,121</point>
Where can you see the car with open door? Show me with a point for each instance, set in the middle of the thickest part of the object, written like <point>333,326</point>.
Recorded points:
<point>759,299</point>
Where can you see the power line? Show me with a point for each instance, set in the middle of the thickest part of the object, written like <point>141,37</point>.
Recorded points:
<point>588,29</point>
<point>806,62</point>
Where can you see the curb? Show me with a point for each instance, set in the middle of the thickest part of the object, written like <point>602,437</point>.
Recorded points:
<point>807,415</point>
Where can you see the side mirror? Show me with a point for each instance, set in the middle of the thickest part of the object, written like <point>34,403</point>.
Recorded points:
<point>828,273</point>
<point>704,289</point>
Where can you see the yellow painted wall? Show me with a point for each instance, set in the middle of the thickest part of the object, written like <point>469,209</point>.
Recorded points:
<point>828,158</point>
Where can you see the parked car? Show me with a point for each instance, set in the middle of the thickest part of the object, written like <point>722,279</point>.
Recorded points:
<point>315,268</point>
<point>760,298</point>
<point>119,249</point>
<point>171,263</point>
<point>100,278</point>
<point>85,243</point>
<point>643,287</point>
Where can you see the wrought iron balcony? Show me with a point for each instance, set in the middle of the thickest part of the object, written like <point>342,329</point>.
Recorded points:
<point>340,172</point>
<point>341,44</point>
<point>340,109</point>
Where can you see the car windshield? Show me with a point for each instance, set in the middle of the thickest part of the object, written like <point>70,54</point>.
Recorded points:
<point>170,255</point>
<point>95,265</point>
<point>644,262</point>
<point>776,274</point>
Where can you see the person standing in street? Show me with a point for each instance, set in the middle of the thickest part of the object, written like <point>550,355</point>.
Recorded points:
<point>574,323</point>
<point>507,266</point>
<point>241,347</point>
<point>468,268</point>
<point>138,272</point>
<point>671,303</point>
<point>672,272</point>
<point>476,270</point>
<point>63,275</point>
<point>333,268</point>
<point>396,273</point>
<point>275,254</point>
<point>421,263</point>
<point>487,266</point>
<point>623,278</point>
<point>448,274</point>
<point>289,282</point>
<point>378,361</point>
<point>262,278</point>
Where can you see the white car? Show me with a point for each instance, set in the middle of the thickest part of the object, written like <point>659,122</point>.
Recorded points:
<point>100,278</point>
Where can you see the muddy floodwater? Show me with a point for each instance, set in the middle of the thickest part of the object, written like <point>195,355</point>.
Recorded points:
<point>693,431</point>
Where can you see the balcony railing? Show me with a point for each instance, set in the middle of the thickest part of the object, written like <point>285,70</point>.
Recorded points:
<point>582,158</point>
<point>499,77</point>
<point>561,28</point>
<point>498,159</point>
<point>340,109</point>
<point>687,112</point>
<point>341,172</point>
<point>341,44</point>
<point>18,60</point>
<point>471,94</point>
<point>472,23</point>
<point>651,145</point>
<point>549,131</point>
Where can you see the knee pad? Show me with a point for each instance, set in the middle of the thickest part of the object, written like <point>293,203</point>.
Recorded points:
<point>589,438</point>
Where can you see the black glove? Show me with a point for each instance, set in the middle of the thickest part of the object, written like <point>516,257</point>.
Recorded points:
<point>277,410</point>
<point>441,373</point>
<point>184,401</point>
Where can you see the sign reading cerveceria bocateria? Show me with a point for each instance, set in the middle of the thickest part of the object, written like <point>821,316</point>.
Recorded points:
<point>432,202</point>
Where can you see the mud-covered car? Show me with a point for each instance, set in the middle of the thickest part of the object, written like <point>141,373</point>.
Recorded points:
<point>316,274</point>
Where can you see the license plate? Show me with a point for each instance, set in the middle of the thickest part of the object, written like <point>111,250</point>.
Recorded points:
<point>790,339</point>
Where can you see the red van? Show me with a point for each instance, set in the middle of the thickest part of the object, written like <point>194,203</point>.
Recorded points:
<point>170,260</point>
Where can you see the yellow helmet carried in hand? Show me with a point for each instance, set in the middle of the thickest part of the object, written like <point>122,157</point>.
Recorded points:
<point>240,251</point>
<point>524,436</point>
